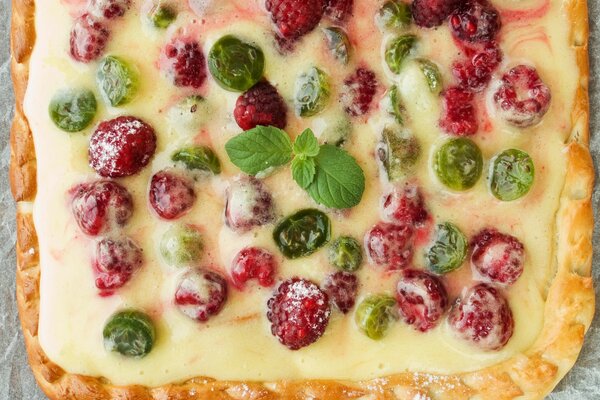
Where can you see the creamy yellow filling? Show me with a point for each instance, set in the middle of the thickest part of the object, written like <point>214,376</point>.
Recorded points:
<point>237,344</point>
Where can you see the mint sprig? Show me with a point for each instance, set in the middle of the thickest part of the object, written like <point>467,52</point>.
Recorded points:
<point>330,175</point>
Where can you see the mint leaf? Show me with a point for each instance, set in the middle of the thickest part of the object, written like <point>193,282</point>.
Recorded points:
<point>306,144</point>
<point>339,181</point>
<point>259,148</point>
<point>303,171</point>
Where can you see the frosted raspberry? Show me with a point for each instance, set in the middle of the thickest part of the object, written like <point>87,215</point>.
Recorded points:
<point>248,205</point>
<point>476,72</point>
<point>458,115</point>
<point>183,62</point>
<point>88,38</point>
<point>109,9</point>
<point>432,13</point>
<point>171,194</point>
<point>115,262</point>
<point>358,92</point>
<point>422,299</point>
<point>475,21</point>
<point>342,287</point>
<point>201,294</point>
<point>295,18</point>
<point>497,257</point>
<point>390,245</point>
<point>338,10</point>
<point>261,105</point>
<point>404,206</point>
<point>253,263</point>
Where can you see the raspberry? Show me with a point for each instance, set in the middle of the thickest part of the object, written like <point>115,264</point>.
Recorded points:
<point>183,62</point>
<point>109,9</point>
<point>121,147</point>
<point>115,262</point>
<point>358,92</point>
<point>523,98</point>
<point>342,287</point>
<point>88,38</point>
<point>497,257</point>
<point>248,205</point>
<point>171,194</point>
<point>483,317</point>
<point>253,263</point>
<point>405,207</point>
<point>475,21</point>
<point>432,13</point>
<point>422,299</point>
<point>100,206</point>
<point>338,10</point>
<point>261,105</point>
<point>476,72</point>
<point>390,244</point>
<point>201,294</point>
<point>299,313</point>
<point>458,115</point>
<point>295,18</point>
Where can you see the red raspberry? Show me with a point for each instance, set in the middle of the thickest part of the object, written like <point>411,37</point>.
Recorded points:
<point>88,39</point>
<point>390,244</point>
<point>523,98</point>
<point>458,115</point>
<point>248,205</point>
<point>299,313</point>
<point>342,287</point>
<point>295,18</point>
<point>115,262</point>
<point>100,206</point>
<point>183,62</point>
<point>261,105</point>
<point>253,263</point>
<point>358,92</point>
<point>432,13</point>
<point>476,72</point>
<point>497,257</point>
<point>109,9</point>
<point>171,194</point>
<point>338,10</point>
<point>475,21</point>
<point>404,206</point>
<point>483,317</point>
<point>201,294</point>
<point>422,299</point>
<point>121,147</point>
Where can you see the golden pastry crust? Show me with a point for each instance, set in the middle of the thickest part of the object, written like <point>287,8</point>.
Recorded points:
<point>530,375</point>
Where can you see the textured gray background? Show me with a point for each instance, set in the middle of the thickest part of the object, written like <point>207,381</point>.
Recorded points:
<point>16,380</point>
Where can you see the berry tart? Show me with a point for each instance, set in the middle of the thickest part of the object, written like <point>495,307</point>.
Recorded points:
<point>302,199</point>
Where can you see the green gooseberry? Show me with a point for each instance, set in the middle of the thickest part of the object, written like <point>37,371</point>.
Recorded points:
<point>399,154</point>
<point>201,158</point>
<point>117,80</point>
<point>337,133</point>
<point>397,106</point>
<point>235,64</point>
<point>312,92</point>
<point>162,16</point>
<point>397,51</point>
<point>449,250</point>
<point>375,314</point>
<point>130,333</point>
<point>338,43</point>
<point>512,175</point>
<point>72,110</point>
<point>458,164</point>
<point>302,233</point>
<point>394,15</point>
<point>345,253</point>
<point>432,73</point>
<point>181,245</point>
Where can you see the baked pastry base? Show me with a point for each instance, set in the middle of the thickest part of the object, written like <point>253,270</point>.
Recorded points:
<point>532,374</point>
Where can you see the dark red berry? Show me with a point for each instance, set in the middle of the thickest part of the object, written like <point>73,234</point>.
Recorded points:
<point>109,9</point>
<point>458,114</point>
<point>261,105</point>
<point>432,13</point>
<point>483,317</point>
<point>338,10</point>
<point>497,257</point>
<point>253,263</point>
<point>299,313</point>
<point>171,194</point>
<point>88,38</point>
<point>358,92</point>
<point>342,287</point>
<point>100,206</point>
<point>476,72</point>
<point>248,205</point>
<point>422,299</point>
<point>522,98</point>
<point>201,294</point>
<point>121,147</point>
<point>390,245</point>
<point>115,262</point>
<point>404,206</point>
<point>295,18</point>
<point>184,63</point>
<point>475,21</point>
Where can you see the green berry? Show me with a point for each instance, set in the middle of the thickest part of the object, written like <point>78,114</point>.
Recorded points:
<point>449,250</point>
<point>73,110</point>
<point>130,333</point>
<point>397,107</point>
<point>338,44</point>
<point>432,73</point>
<point>312,92</point>
<point>336,133</point>
<point>117,81</point>
<point>188,116</point>
<point>302,233</point>
<point>394,15</point>
<point>399,154</point>
<point>398,50</point>
<point>198,158</point>
<point>512,175</point>
<point>236,65</point>
<point>345,253</point>
<point>181,245</point>
<point>162,16</point>
<point>375,314</point>
<point>458,164</point>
